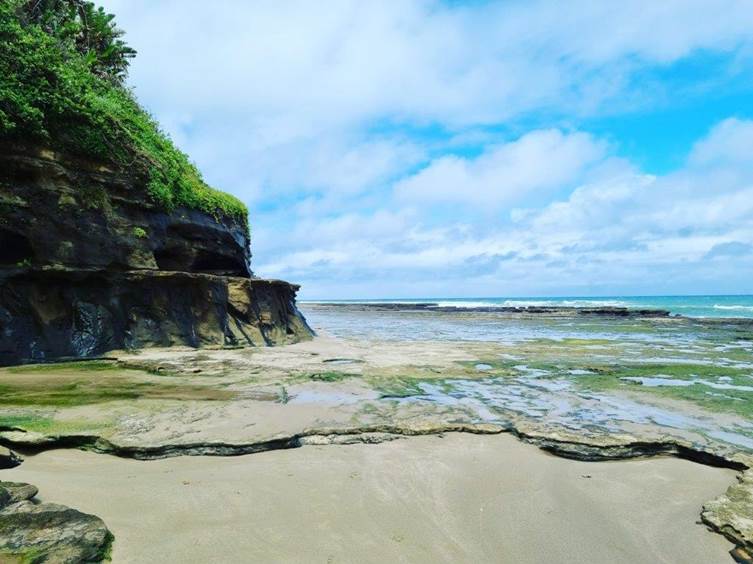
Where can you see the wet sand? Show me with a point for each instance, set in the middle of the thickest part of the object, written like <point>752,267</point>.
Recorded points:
<point>457,498</point>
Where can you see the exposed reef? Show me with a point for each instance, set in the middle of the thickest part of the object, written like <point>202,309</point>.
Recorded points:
<point>88,263</point>
<point>565,384</point>
<point>565,311</point>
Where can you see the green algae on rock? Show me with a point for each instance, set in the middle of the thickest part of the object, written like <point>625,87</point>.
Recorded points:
<point>47,532</point>
<point>732,513</point>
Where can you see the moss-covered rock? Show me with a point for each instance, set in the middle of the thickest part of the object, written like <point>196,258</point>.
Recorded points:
<point>47,532</point>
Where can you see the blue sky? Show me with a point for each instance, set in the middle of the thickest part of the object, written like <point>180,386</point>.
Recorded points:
<point>426,148</point>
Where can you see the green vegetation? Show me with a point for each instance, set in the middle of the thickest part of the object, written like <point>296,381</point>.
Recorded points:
<point>398,386</point>
<point>330,376</point>
<point>140,233</point>
<point>47,425</point>
<point>62,65</point>
<point>721,400</point>
<point>74,384</point>
<point>56,367</point>
<point>68,393</point>
<point>284,397</point>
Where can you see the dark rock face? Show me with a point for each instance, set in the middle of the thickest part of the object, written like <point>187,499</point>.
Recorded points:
<point>8,459</point>
<point>68,213</point>
<point>47,532</point>
<point>88,265</point>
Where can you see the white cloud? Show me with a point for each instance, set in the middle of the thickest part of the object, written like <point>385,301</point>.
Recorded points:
<point>415,60</point>
<point>644,231</point>
<point>731,141</point>
<point>538,162</point>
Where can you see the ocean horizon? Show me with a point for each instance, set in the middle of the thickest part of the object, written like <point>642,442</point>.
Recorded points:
<point>719,306</point>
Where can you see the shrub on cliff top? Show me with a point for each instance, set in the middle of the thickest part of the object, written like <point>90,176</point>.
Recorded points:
<point>62,65</point>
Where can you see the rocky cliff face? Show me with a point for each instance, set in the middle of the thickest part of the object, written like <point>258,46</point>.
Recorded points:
<point>88,264</point>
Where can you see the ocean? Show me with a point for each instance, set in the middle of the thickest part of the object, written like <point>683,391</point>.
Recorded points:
<point>690,306</point>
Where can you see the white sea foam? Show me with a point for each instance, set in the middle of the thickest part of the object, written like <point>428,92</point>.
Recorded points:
<point>465,304</point>
<point>734,307</point>
<point>531,303</point>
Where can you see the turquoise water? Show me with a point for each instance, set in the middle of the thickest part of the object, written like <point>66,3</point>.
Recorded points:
<point>692,306</point>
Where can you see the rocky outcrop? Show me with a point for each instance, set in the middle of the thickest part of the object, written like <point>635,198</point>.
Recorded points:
<point>731,514</point>
<point>8,458</point>
<point>88,264</point>
<point>47,532</point>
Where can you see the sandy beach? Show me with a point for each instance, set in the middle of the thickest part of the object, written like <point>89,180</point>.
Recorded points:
<point>456,498</point>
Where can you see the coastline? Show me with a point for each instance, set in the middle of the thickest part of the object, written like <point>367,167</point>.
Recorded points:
<point>567,385</point>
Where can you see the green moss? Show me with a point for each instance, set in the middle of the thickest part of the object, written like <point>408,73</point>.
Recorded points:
<point>27,422</point>
<point>78,366</point>
<point>497,367</point>
<point>398,387</point>
<point>48,425</point>
<point>106,555</point>
<point>30,556</point>
<point>140,233</point>
<point>88,393</point>
<point>330,376</point>
<point>85,383</point>
<point>729,401</point>
<point>52,93</point>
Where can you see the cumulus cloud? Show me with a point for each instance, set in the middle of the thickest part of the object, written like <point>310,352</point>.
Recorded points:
<point>729,142</point>
<point>644,231</point>
<point>538,162</point>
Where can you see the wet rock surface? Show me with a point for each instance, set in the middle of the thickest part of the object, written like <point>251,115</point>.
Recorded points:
<point>47,532</point>
<point>88,264</point>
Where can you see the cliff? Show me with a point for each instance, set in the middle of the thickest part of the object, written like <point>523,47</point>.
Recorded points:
<point>90,263</point>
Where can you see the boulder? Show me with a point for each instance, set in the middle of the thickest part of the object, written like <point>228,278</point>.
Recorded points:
<point>48,532</point>
<point>8,458</point>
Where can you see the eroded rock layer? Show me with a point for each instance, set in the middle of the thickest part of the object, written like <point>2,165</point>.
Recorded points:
<point>88,264</point>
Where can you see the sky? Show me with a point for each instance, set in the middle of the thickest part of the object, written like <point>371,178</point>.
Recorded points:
<point>427,148</point>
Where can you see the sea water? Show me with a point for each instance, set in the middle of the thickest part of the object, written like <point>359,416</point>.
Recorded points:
<point>692,306</point>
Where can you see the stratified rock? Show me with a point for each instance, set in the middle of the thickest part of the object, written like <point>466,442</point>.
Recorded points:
<point>48,532</point>
<point>8,458</point>
<point>731,514</point>
<point>89,264</point>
